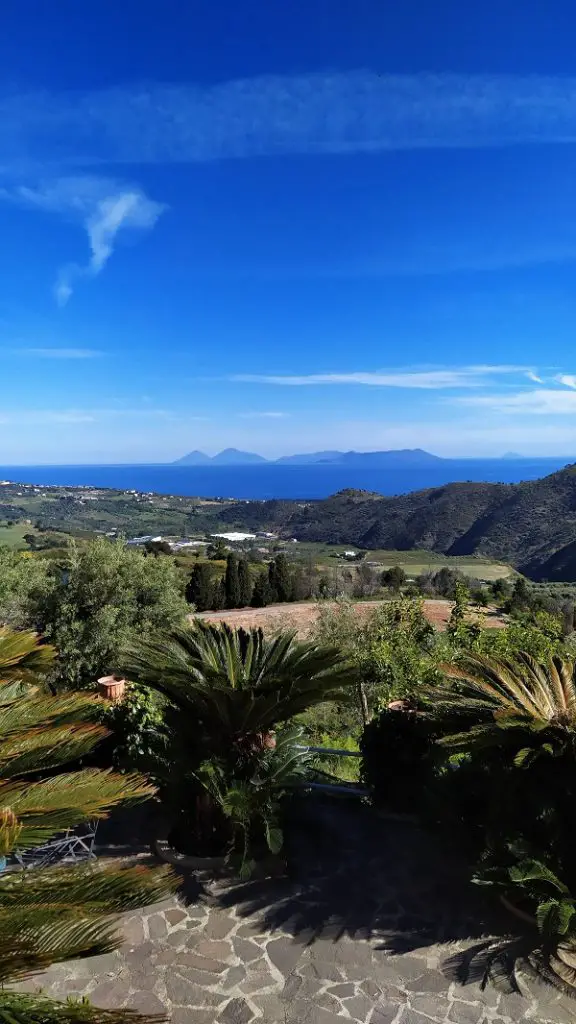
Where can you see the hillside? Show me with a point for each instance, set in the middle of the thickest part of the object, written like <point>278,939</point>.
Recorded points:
<point>532,525</point>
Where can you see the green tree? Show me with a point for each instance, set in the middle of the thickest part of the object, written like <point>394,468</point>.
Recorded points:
<point>232,581</point>
<point>521,599</point>
<point>199,589</point>
<point>261,593</point>
<point>25,586</point>
<point>501,590</point>
<point>157,547</point>
<point>65,912</point>
<point>104,594</point>
<point>394,578</point>
<point>217,550</point>
<point>444,582</point>
<point>280,579</point>
<point>218,598</point>
<point>461,600</point>
<point>365,581</point>
<point>244,583</point>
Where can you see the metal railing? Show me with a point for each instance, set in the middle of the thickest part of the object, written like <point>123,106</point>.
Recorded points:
<point>342,788</point>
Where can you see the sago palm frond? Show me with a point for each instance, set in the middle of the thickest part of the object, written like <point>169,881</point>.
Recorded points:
<point>51,805</point>
<point>63,889</point>
<point>239,681</point>
<point>38,749</point>
<point>38,732</point>
<point>496,694</point>
<point>22,657</point>
<point>53,914</point>
<point>44,710</point>
<point>17,1008</point>
<point>65,912</point>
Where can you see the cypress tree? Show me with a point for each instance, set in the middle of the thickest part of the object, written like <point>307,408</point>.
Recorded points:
<point>244,583</point>
<point>199,589</point>
<point>282,579</point>
<point>218,598</point>
<point>261,594</point>
<point>232,582</point>
<point>272,582</point>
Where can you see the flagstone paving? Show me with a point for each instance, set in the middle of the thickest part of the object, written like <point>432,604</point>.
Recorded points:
<point>361,933</point>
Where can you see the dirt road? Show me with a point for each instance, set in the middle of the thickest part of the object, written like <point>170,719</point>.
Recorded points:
<point>301,616</point>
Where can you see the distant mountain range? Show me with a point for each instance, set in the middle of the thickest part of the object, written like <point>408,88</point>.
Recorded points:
<point>233,457</point>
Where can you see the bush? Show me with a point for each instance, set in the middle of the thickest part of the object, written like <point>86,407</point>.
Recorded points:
<point>400,760</point>
<point>103,596</point>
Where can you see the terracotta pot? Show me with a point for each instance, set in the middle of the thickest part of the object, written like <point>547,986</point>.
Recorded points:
<point>112,687</point>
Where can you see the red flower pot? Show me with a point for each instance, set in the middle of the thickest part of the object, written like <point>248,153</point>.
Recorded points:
<point>112,687</point>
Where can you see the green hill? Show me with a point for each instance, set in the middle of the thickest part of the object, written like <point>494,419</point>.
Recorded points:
<point>532,525</point>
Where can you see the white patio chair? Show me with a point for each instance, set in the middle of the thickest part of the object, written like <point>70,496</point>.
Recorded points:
<point>72,846</point>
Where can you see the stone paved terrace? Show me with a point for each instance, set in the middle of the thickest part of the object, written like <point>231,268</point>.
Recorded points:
<point>360,932</point>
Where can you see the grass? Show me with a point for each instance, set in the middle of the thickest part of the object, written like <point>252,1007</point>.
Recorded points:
<point>13,536</point>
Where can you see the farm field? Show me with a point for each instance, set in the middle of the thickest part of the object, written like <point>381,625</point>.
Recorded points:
<point>414,563</point>
<point>302,616</point>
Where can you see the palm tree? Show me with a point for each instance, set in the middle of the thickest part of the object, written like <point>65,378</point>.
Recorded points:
<point>522,703</point>
<point>224,691</point>
<point>237,683</point>
<point>52,914</point>
<point>516,721</point>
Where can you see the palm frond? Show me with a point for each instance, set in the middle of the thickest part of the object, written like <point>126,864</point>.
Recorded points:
<point>31,945</point>
<point>237,680</point>
<point>54,914</point>
<point>96,890</point>
<point>22,657</point>
<point>38,749</point>
<point>497,694</point>
<point>45,710</point>
<point>19,1008</point>
<point>45,807</point>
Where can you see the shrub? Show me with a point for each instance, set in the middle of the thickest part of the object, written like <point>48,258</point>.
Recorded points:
<point>400,759</point>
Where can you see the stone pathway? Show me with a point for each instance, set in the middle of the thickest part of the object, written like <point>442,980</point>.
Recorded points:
<point>361,934</point>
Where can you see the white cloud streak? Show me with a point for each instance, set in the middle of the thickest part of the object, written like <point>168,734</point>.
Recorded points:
<point>433,379</point>
<point>358,111</point>
<point>103,206</point>
<point>263,415</point>
<point>58,353</point>
<point>545,401</point>
<point>38,417</point>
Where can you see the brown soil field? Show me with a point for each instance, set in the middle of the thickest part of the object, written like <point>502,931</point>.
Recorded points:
<point>301,616</point>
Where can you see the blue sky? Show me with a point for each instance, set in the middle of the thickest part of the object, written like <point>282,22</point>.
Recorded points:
<point>286,227</point>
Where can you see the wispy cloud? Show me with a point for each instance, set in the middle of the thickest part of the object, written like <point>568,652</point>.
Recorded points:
<point>38,417</point>
<point>57,353</point>
<point>358,111</point>
<point>263,415</point>
<point>568,379</point>
<point>544,401</point>
<point>102,206</point>
<point>432,379</point>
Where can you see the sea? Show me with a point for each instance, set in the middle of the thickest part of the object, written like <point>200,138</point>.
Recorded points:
<point>270,481</point>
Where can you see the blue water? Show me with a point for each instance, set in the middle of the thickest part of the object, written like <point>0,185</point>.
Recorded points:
<point>281,481</point>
